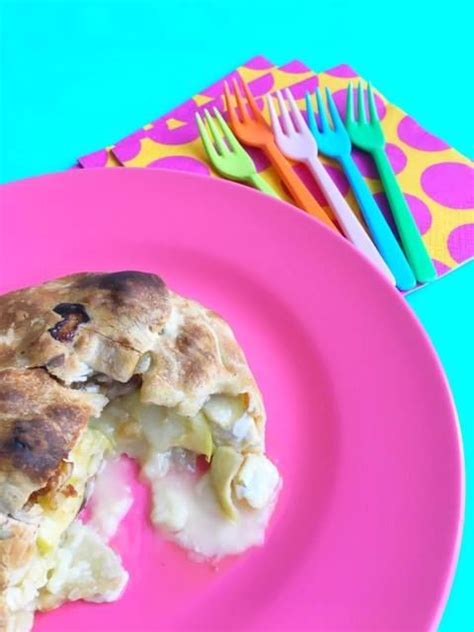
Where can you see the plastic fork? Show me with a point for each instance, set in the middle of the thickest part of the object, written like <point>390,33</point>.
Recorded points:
<point>295,140</point>
<point>367,134</point>
<point>227,155</point>
<point>253,130</point>
<point>335,142</point>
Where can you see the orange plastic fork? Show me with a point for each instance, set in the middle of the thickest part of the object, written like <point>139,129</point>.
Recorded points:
<point>252,129</point>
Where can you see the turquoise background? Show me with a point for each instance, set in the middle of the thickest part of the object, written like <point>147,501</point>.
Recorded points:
<point>75,76</point>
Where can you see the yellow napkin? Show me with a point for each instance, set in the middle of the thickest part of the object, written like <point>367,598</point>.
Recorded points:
<point>436,179</point>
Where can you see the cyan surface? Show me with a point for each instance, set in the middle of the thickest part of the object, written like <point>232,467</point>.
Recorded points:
<point>77,75</point>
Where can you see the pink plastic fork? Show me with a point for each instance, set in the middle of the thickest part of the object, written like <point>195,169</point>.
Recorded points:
<point>295,140</point>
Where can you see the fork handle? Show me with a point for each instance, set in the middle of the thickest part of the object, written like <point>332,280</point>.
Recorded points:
<point>351,227</point>
<point>262,185</point>
<point>412,242</point>
<point>295,186</point>
<point>381,232</point>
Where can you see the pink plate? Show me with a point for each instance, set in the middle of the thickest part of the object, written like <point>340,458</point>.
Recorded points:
<point>360,419</point>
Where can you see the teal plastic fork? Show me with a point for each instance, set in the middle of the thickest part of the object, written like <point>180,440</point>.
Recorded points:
<point>367,134</point>
<point>335,143</point>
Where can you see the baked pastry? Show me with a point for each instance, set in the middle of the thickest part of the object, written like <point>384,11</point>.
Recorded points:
<point>93,366</point>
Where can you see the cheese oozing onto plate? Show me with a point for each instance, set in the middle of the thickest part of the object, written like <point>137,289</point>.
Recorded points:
<point>220,511</point>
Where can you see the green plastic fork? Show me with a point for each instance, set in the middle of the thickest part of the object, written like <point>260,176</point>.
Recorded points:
<point>368,135</point>
<point>227,155</point>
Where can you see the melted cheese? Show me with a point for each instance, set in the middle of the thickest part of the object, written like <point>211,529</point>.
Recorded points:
<point>110,501</point>
<point>83,567</point>
<point>224,511</point>
<point>188,512</point>
<point>257,481</point>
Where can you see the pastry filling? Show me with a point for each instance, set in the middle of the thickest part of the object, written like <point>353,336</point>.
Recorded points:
<point>213,492</point>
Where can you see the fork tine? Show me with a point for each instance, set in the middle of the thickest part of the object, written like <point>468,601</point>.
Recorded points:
<point>360,95</point>
<point>322,112</point>
<point>206,141</point>
<point>298,119</point>
<point>350,103</point>
<point>275,121</point>
<point>252,103</point>
<point>230,108</point>
<point>374,116</point>
<point>217,137</point>
<point>336,117</point>
<point>287,123</point>
<point>244,115</point>
<point>313,126</point>
<point>229,135</point>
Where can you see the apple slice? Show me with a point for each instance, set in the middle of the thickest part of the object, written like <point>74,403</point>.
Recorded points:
<point>225,464</point>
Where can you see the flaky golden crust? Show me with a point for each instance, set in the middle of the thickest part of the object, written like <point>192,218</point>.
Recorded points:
<point>104,321</point>
<point>17,547</point>
<point>122,324</point>
<point>17,540</point>
<point>196,356</point>
<point>40,422</point>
